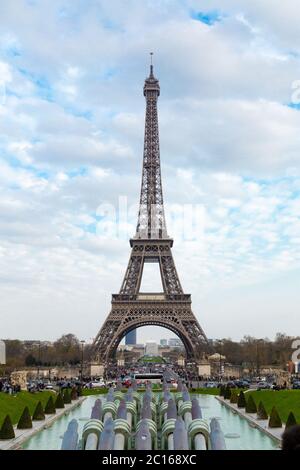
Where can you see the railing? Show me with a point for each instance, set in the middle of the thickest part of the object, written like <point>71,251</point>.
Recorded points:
<point>151,297</point>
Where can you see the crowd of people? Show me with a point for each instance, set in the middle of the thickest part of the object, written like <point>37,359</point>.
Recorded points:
<point>290,438</point>
<point>7,387</point>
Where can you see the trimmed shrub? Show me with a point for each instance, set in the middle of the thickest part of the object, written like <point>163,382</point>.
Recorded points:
<point>274,421</point>
<point>7,429</point>
<point>74,394</point>
<point>227,393</point>
<point>241,400</point>
<point>50,407</point>
<point>222,391</point>
<point>25,420</point>
<point>251,405</point>
<point>79,391</point>
<point>261,411</point>
<point>291,421</point>
<point>59,402</point>
<point>234,396</point>
<point>67,396</point>
<point>38,414</point>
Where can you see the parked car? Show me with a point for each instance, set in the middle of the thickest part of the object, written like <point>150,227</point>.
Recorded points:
<point>126,383</point>
<point>64,384</point>
<point>242,383</point>
<point>231,384</point>
<point>49,387</point>
<point>100,384</point>
<point>296,385</point>
<point>210,384</point>
<point>264,386</point>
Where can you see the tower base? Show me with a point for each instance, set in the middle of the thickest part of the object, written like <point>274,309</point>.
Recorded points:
<point>171,312</point>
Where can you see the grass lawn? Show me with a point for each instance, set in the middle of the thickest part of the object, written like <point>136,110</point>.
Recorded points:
<point>93,391</point>
<point>100,391</point>
<point>284,401</point>
<point>14,405</point>
<point>205,391</point>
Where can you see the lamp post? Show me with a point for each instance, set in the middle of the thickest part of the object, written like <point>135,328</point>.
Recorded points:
<point>39,360</point>
<point>258,359</point>
<point>220,363</point>
<point>82,349</point>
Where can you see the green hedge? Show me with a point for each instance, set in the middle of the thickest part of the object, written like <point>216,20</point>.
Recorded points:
<point>291,421</point>
<point>241,400</point>
<point>38,414</point>
<point>234,396</point>
<point>7,430</point>
<point>250,405</point>
<point>74,394</point>
<point>25,421</point>
<point>261,411</point>
<point>274,421</point>
<point>67,396</point>
<point>59,402</point>
<point>50,407</point>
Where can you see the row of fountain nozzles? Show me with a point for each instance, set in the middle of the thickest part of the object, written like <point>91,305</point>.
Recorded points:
<point>110,427</point>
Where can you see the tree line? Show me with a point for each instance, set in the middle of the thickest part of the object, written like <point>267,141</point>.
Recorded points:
<point>256,352</point>
<point>67,350</point>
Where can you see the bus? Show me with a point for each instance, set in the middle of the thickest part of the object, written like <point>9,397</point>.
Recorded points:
<point>144,378</point>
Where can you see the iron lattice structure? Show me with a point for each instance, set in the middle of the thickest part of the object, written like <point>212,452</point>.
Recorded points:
<point>151,244</point>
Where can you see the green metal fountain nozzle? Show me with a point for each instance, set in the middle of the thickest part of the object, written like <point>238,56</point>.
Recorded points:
<point>143,440</point>
<point>217,439</point>
<point>92,427</point>
<point>107,437</point>
<point>70,439</point>
<point>196,410</point>
<point>180,435</point>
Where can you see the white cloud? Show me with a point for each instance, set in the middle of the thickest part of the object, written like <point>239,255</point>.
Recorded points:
<point>72,138</point>
<point>5,73</point>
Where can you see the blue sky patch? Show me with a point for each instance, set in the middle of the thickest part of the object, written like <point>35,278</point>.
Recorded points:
<point>78,113</point>
<point>44,89</point>
<point>13,51</point>
<point>294,105</point>
<point>81,171</point>
<point>207,17</point>
<point>110,72</point>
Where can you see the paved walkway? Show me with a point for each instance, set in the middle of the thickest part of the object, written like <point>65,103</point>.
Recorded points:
<point>261,424</point>
<point>37,426</point>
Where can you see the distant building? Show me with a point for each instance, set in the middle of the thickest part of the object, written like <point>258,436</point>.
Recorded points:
<point>2,352</point>
<point>175,343</point>
<point>151,348</point>
<point>164,342</point>
<point>136,349</point>
<point>130,338</point>
<point>35,343</point>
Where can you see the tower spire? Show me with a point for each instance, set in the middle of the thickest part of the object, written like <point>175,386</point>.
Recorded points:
<point>151,219</point>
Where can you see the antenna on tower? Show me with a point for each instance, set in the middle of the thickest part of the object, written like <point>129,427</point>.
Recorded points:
<point>151,63</point>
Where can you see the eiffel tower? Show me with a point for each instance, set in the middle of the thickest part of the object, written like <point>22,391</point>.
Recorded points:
<point>151,244</point>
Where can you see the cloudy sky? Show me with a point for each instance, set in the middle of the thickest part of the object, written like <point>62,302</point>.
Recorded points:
<point>71,138</point>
